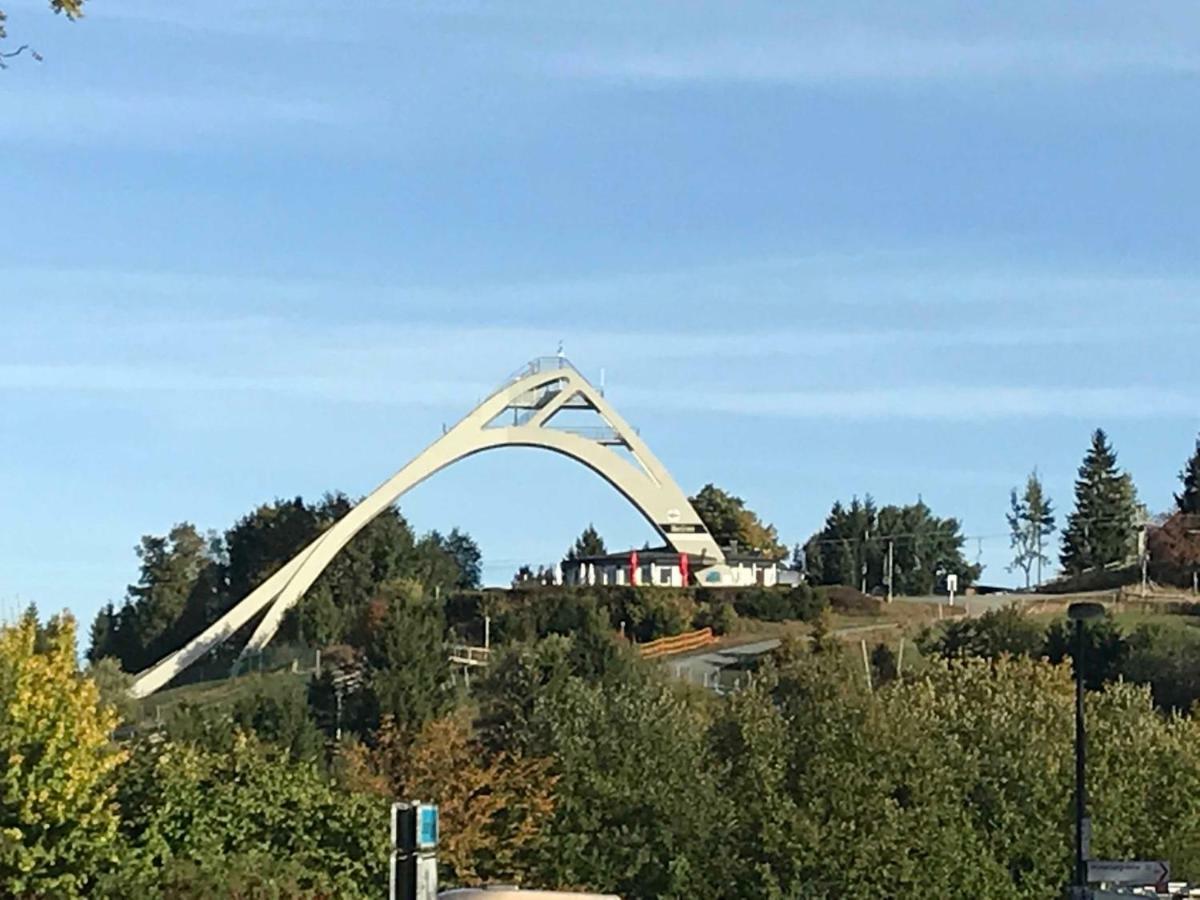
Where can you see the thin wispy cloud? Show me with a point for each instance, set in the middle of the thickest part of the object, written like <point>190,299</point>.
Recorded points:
<point>863,56</point>
<point>328,381</point>
<point>282,347</point>
<point>930,402</point>
<point>149,380</point>
<point>754,287</point>
<point>123,117</point>
<point>269,19</point>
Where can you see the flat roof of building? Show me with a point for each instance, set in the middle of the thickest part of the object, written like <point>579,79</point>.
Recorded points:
<point>667,555</point>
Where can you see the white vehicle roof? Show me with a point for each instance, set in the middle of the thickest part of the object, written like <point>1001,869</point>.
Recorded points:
<point>507,892</point>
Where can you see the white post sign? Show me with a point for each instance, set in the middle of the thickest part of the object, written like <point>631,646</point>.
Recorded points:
<point>1140,873</point>
<point>414,851</point>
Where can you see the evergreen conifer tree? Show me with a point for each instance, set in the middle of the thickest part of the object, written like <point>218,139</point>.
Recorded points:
<point>1030,521</point>
<point>1189,500</point>
<point>589,543</point>
<point>1102,529</point>
<point>103,634</point>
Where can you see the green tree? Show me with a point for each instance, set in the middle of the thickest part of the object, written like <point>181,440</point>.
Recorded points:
<point>1148,809</point>
<point>381,552</point>
<point>1168,660</point>
<point>245,875</point>
<point>1106,649</point>
<point>834,554</point>
<point>730,522</point>
<point>588,544</point>
<point>492,806</point>
<point>1000,632</point>
<point>952,784</point>
<point>114,684</point>
<point>318,621</point>
<point>435,565</point>
<point>261,542</point>
<point>852,548</point>
<point>273,711</point>
<point>633,764</point>
<point>187,580</point>
<point>172,577</point>
<point>1030,522</point>
<point>1189,501</point>
<point>406,659</point>
<point>193,813</point>
<point>1102,529</point>
<point>468,557</point>
<point>58,823</point>
<point>520,674</point>
<point>103,634</point>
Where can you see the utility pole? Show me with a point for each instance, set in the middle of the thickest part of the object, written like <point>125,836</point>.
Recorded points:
<point>866,537</point>
<point>891,568</point>
<point>1144,553</point>
<point>337,693</point>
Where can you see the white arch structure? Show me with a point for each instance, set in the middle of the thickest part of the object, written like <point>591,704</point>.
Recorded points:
<point>520,413</point>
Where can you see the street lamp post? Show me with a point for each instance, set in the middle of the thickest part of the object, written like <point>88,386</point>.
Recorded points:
<point>1079,613</point>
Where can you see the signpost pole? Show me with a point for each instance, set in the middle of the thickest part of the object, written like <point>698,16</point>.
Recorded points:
<point>1080,763</point>
<point>414,851</point>
<point>1080,613</point>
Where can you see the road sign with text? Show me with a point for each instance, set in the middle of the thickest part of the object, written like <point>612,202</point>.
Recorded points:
<point>1140,873</point>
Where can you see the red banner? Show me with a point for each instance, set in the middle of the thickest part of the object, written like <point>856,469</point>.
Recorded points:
<point>633,567</point>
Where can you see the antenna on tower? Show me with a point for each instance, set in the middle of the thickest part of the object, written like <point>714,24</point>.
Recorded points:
<point>560,350</point>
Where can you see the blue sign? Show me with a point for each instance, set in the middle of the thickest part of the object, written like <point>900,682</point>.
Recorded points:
<point>713,577</point>
<point>427,826</point>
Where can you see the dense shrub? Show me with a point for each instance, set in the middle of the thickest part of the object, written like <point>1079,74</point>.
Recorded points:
<point>995,633</point>
<point>768,604</point>
<point>1167,659</point>
<point>807,604</point>
<point>646,613</point>
<point>276,711</point>
<point>721,617</point>
<point>850,601</point>
<point>194,816</point>
<point>650,612</point>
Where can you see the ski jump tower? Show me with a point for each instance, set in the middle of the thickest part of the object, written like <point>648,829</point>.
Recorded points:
<point>520,413</point>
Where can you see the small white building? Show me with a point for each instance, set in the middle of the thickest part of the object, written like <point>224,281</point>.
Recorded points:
<point>665,567</point>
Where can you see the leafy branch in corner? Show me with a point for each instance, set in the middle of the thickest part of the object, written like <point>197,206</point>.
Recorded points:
<point>72,9</point>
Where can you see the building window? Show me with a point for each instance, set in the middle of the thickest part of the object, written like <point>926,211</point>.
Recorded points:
<point>666,575</point>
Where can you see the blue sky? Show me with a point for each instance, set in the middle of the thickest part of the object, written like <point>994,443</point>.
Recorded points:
<point>258,249</point>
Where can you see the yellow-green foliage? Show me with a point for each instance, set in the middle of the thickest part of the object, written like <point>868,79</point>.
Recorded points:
<point>58,823</point>
<point>72,9</point>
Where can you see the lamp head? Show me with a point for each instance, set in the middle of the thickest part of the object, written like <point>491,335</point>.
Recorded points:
<point>1083,612</point>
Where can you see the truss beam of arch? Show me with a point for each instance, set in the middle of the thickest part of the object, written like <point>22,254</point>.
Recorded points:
<point>526,411</point>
